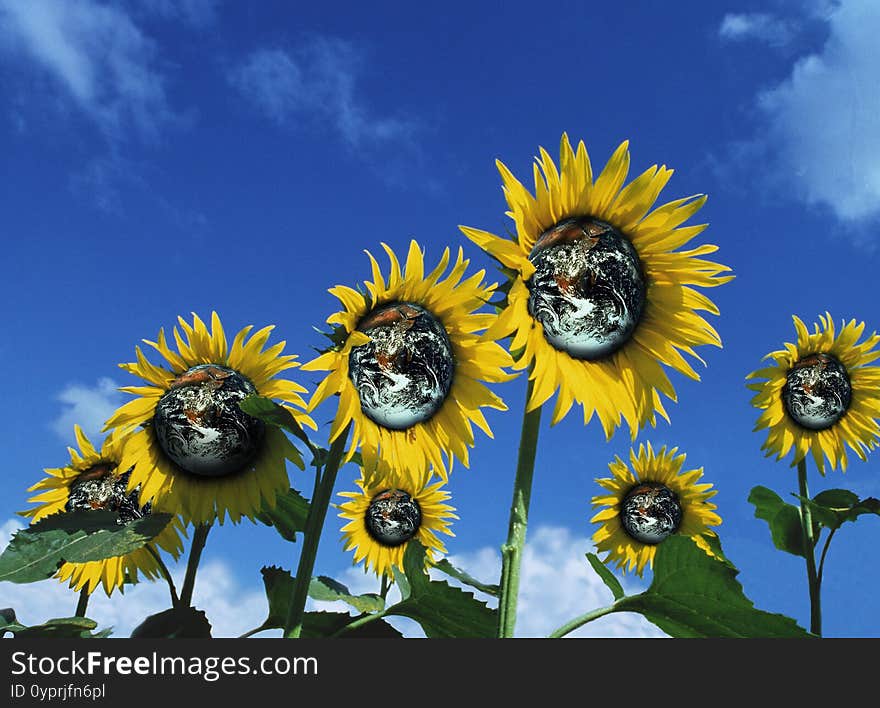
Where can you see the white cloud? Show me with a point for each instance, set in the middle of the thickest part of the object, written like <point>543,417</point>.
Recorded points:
<point>822,136</point>
<point>316,83</point>
<point>557,585</point>
<point>760,26</point>
<point>86,406</point>
<point>97,54</point>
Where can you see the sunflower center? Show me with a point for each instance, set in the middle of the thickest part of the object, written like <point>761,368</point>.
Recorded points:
<point>817,391</point>
<point>404,373</point>
<point>200,426</point>
<point>588,289</point>
<point>97,489</point>
<point>650,513</point>
<point>393,517</point>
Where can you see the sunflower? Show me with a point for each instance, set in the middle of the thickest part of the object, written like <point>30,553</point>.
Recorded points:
<point>409,365</point>
<point>649,503</point>
<point>95,480</point>
<point>599,296</point>
<point>819,394</point>
<point>391,509</point>
<point>197,452</point>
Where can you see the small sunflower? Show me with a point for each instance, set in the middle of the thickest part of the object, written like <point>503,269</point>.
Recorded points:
<point>599,296</point>
<point>389,510</point>
<point>819,395</point>
<point>197,451</point>
<point>95,480</point>
<point>409,366</point>
<point>649,503</point>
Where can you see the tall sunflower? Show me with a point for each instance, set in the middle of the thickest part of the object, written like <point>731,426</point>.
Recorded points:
<point>819,395</point>
<point>196,450</point>
<point>97,480</point>
<point>649,503</point>
<point>409,365</point>
<point>599,296</point>
<point>388,512</point>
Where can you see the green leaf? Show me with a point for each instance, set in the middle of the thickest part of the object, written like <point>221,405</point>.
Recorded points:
<point>834,507</point>
<point>784,520</point>
<point>176,623</point>
<point>328,589</point>
<point>444,566</point>
<point>288,516</point>
<point>695,595</point>
<point>607,576</point>
<point>270,412</point>
<point>61,628</point>
<point>279,586</point>
<point>441,610</point>
<point>35,553</point>
<point>317,625</point>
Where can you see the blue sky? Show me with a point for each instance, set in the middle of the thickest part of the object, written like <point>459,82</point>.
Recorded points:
<point>165,157</point>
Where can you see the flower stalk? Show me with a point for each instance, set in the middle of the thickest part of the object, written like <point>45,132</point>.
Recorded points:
<point>200,537</point>
<point>314,525</point>
<point>810,551</point>
<point>512,550</point>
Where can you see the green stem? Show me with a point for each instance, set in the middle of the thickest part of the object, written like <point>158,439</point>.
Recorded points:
<point>359,622</point>
<point>822,557</point>
<point>175,601</point>
<point>512,550</point>
<point>252,632</point>
<point>195,553</point>
<point>384,587</point>
<point>810,551</point>
<point>314,525</point>
<point>581,621</point>
<point>83,603</point>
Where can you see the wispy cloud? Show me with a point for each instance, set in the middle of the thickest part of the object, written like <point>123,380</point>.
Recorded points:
<point>316,84</point>
<point>97,55</point>
<point>817,136</point>
<point>760,26</point>
<point>199,14</point>
<point>86,406</point>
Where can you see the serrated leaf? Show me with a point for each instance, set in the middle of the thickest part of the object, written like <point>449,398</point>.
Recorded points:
<point>35,553</point>
<point>268,411</point>
<point>176,623</point>
<point>288,516</point>
<point>329,590</point>
<point>607,576</point>
<point>695,595</point>
<point>317,625</point>
<point>440,609</point>
<point>444,566</point>
<point>783,519</point>
<point>279,586</point>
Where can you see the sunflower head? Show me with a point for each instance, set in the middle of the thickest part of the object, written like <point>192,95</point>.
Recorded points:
<point>409,365</point>
<point>95,480</point>
<point>648,502</point>
<point>388,511</point>
<point>819,394</point>
<point>600,296</point>
<point>196,451</point>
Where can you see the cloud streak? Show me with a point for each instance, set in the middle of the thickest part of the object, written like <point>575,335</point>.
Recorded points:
<point>313,85</point>
<point>97,55</point>
<point>763,27</point>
